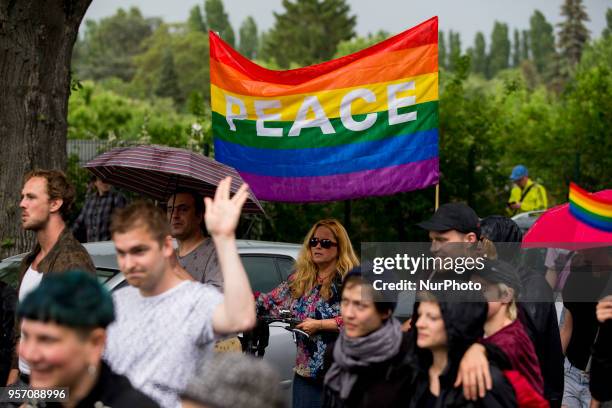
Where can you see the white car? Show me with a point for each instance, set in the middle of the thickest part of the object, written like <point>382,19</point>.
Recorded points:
<point>526,219</point>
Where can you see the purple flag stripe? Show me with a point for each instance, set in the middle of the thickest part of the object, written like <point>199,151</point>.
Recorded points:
<point>377,182</point>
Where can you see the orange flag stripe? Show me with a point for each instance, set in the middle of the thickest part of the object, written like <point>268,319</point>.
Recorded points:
<point>376,68</point>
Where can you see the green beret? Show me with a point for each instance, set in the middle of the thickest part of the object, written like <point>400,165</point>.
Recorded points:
<point>74,299</point>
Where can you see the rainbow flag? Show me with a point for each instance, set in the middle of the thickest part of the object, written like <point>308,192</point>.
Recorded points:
<point>362,125</point>
<point>594,211</point>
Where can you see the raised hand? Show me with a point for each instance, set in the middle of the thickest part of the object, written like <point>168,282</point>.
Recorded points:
<point>222,213</point>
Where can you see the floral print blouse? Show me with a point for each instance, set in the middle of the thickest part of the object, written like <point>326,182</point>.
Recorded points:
<point>310,351</point>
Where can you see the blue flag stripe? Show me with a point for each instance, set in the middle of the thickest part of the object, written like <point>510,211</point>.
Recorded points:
<point>330,160</point>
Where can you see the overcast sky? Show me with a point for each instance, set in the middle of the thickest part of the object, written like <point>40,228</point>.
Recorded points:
<point>465,16</point>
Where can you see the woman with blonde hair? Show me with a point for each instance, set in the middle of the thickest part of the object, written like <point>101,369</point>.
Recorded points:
<point>312,294</point>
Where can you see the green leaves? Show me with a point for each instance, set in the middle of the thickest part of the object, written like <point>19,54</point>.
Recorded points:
<point>189,56</point>
<point>218,20</point>
<point>359,43</point>
<point>308,31</point>
<point>196,22</point>
<point>499,56</point>
<point>542,42</point>
<point>108,46</point>
<point>249,41</point>
<point>573,33</point>
<point>98,113</point>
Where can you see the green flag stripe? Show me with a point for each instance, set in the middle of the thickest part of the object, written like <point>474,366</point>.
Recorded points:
<point>246,133</point>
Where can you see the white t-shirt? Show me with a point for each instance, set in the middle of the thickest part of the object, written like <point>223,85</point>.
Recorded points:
<point>30,281</point>
<point>158,341</point>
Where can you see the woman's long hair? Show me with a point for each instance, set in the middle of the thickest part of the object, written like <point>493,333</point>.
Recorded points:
<point>305,276</point>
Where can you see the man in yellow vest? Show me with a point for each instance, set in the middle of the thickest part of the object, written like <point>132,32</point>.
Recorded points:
<point>526,195</point>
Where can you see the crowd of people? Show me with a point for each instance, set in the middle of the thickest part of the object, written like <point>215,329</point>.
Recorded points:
<point>150,343</point>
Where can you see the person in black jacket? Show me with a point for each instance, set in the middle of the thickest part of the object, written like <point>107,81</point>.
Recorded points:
<point>444,330</point>
<point>372,364</point>
<point>63,326</point>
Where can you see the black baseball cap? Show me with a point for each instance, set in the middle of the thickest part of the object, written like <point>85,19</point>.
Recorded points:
<point>497,271</point>
<point>453,216</point>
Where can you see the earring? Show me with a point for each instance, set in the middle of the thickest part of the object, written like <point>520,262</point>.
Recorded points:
<point>91,369</point>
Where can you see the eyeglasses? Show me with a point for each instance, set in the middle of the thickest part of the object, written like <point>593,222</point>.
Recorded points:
<point>325,243</point>
<point>181,208</point>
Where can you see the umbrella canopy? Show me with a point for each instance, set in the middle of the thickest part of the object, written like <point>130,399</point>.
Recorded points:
<point>559,228</point>
<point>157,171</point>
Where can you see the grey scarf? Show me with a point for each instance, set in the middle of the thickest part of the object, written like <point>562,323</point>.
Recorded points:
<point>355,353</point>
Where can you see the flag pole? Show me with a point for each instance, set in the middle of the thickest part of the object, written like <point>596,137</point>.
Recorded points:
<point>437,196</point>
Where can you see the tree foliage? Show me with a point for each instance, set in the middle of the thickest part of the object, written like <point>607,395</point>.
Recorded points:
<point>108,46</point>
<point>499,54</point>
<point>468,159</point>
<point>454,53</point>
<point>541,42</point>
<point>167,84</point>
<point>516,49</point>
<point>479,57</point>
<point>218,20</point>
<point>308,31</point>
<point>588,118</point>
<point>249,40</point>
<point>525,45</point>
<point>189,50</point>
<point>608,30</point>
<point>442,53</point>
<point>359,43</point>
<point>96,113</point>
<point>196,22</point>
<point>573,33</point>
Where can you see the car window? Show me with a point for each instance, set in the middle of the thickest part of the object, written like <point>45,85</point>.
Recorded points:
<point>9,272</point>
<point>104,274</point>
<point>123,284</point>
<point>262,272</point>
<point>286,266</point>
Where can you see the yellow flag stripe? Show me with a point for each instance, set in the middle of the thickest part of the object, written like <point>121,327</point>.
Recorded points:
<point>423,87</point>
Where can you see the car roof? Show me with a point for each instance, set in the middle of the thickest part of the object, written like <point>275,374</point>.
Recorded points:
<point>526,219</point>
<point>107,247</point>
<point>103,253</point>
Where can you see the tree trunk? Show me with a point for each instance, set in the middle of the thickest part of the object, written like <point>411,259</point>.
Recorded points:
<point>36,40</point>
